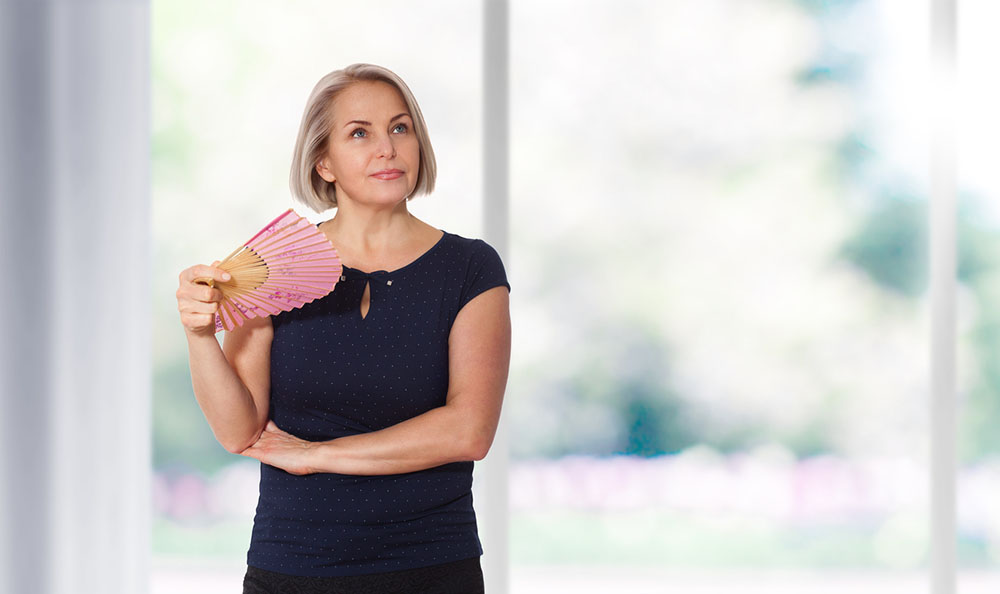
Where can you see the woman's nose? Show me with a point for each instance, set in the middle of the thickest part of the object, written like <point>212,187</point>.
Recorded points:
<point>386,148</point>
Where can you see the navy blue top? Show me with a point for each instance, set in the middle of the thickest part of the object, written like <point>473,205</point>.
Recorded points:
<point>334,373</point>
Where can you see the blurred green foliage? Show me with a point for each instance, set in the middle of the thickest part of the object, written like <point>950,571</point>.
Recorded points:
<point>182,439</point>
<point>890,245</point>
<point>221,539</point>
<point>823,8</point>
<point>979,415</point>
<point>684,539</point>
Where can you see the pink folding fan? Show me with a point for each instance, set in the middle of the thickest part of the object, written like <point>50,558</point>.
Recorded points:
<point>289,263</point>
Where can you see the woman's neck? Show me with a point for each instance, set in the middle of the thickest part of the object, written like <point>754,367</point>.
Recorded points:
<point>377,237</point>
<point>371,230</point>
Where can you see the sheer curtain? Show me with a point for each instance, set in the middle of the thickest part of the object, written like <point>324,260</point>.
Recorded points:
<point>75,364</point>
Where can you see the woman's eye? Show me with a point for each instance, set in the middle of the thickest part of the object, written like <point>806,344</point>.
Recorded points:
<point>356,130</point>
<point>362,130</point>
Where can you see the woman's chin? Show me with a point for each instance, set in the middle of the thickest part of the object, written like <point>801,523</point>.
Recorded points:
<point>384,199</point>
<point>389,197</point>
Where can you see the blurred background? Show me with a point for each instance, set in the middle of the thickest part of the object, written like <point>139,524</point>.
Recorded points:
<point>719,269</point>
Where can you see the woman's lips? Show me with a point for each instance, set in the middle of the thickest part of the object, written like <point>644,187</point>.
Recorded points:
<point>388,174</point>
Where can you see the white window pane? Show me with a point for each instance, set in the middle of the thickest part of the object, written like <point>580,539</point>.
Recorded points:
<point>979,240</point>
<point>719,211</point>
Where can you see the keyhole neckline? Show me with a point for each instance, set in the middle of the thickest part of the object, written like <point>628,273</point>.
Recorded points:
<point>364,315</point>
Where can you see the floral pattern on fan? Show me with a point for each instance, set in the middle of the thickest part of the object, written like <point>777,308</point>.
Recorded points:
<point>287,264</point>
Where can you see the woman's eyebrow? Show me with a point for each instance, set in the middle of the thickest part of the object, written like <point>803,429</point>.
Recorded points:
<point>364,123</point>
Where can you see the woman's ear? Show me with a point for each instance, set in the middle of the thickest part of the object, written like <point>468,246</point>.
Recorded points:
<point>324,171</point>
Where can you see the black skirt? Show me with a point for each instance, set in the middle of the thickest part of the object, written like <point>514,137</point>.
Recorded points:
<point>456,577</point>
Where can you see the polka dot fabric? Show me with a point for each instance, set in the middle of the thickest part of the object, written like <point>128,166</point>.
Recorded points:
<point>336,373</point>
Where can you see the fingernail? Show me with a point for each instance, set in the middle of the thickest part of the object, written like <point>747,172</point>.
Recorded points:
<point>225,276</point>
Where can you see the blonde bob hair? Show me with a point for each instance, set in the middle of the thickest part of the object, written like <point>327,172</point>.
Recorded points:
<point>314,133</point>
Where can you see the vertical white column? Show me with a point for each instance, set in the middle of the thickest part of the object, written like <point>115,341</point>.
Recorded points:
<point>494,515</point>
<point>25,300</point>
<point>943,284</point>
<point>75,368</point>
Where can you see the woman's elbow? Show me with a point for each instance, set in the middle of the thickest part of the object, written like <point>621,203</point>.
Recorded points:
<point>236,446</point>
<point>478,447</point>
<point>472,437</point>
<point>234,449</point>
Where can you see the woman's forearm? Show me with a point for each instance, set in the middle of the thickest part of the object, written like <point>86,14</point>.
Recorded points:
<point>224,399</point>
<point>439,436</point>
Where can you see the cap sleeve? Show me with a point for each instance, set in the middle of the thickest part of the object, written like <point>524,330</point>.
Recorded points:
<point>485,272</point>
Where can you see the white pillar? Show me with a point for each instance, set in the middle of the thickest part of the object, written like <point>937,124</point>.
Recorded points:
<point>493,501</point>
<point>75,369</point>
<point>943,252</point>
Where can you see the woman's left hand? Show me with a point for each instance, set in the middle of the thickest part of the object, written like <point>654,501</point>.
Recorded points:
<point>282,450</point>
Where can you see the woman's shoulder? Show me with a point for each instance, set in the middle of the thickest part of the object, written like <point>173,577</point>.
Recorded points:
<point>469,246</point>
<point>467,241</point>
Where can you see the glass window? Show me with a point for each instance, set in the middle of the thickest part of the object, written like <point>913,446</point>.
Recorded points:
<point>721,353</point>
<point>979,293</point>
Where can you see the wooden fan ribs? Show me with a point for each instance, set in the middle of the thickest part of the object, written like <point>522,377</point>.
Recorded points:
<point>284,266</point>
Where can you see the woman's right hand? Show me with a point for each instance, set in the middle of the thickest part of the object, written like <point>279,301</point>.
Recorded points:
<point>198,303</point>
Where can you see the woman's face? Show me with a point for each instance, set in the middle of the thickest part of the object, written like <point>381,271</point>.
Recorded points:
<point>372,132</point>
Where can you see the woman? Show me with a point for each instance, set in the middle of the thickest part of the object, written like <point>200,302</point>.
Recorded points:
<point>368,407</point>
